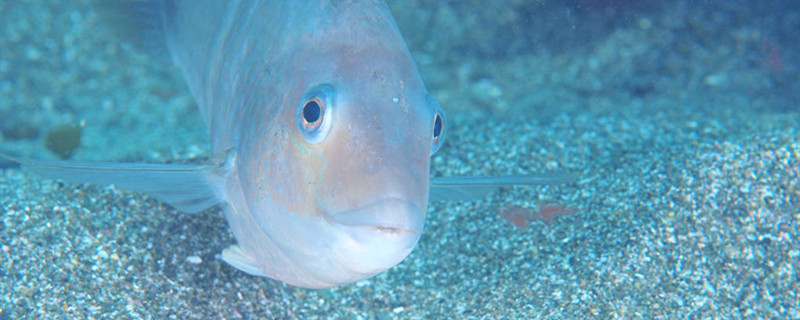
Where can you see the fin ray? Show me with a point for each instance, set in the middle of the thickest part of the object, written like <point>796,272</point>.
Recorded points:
<point>236,257</point>
<point>473,187</point>
<point>188,188</point>
<point>140,22</point>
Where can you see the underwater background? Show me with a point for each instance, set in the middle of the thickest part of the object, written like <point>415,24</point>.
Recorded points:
<point>680,117</point>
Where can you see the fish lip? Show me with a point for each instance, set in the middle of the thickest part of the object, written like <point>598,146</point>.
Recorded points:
<point>388,215</point>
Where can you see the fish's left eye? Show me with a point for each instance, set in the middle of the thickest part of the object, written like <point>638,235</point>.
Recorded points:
<point>314,112</point>
<point>439,125</point>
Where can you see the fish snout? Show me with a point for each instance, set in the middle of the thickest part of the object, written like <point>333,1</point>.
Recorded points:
<point>391,216</point>
<point>378,235</point>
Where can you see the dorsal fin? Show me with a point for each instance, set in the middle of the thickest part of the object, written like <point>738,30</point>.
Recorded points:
<point>139,22</point>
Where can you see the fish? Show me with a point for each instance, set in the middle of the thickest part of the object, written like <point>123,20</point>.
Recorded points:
<point>321,134</point>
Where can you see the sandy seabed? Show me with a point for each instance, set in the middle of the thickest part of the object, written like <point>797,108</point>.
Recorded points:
<point>681,120</point>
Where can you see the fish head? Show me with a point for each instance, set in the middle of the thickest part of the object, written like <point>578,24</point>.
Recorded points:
<point>346,168</point>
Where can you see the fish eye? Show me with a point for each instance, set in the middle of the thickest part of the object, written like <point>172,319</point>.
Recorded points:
<point>439,125</point>
<point>314,112</point>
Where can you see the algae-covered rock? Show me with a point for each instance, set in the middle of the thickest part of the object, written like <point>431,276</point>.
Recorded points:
<point>63,140</point>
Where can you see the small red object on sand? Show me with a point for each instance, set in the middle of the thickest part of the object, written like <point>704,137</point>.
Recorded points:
<point>520,216</point>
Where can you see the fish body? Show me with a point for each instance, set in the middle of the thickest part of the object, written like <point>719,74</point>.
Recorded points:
<point>322,130</point>
<point>311,207</point>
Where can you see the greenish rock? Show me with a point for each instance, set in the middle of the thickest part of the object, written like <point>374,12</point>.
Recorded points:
<point>63,140</point>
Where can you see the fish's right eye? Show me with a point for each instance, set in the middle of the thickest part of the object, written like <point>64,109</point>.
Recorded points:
<point>314,112</point>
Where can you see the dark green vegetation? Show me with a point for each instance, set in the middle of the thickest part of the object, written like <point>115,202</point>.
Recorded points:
<point>63,140</point>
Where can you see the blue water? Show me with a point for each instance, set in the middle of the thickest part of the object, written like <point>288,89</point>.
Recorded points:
<point>681,118</point>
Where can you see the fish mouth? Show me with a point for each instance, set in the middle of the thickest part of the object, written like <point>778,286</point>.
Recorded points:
<point>388,216</point>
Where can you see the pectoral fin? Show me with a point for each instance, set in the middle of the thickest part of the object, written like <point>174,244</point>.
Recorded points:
<point>468,188</point>
<point>235,256</point>
<point>188,188</point>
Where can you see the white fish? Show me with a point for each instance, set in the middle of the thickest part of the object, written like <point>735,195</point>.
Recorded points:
<point>323,132</point>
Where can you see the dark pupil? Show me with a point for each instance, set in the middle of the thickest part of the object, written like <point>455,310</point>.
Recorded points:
<point>311,112</point>
<point>437,126</point>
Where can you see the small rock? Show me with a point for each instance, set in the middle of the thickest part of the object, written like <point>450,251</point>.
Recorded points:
<point>362,283</point>
<point>194,259</point>
<point>715,80</point>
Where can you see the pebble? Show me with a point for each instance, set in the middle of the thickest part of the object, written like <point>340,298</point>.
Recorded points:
<point>194,259</point>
